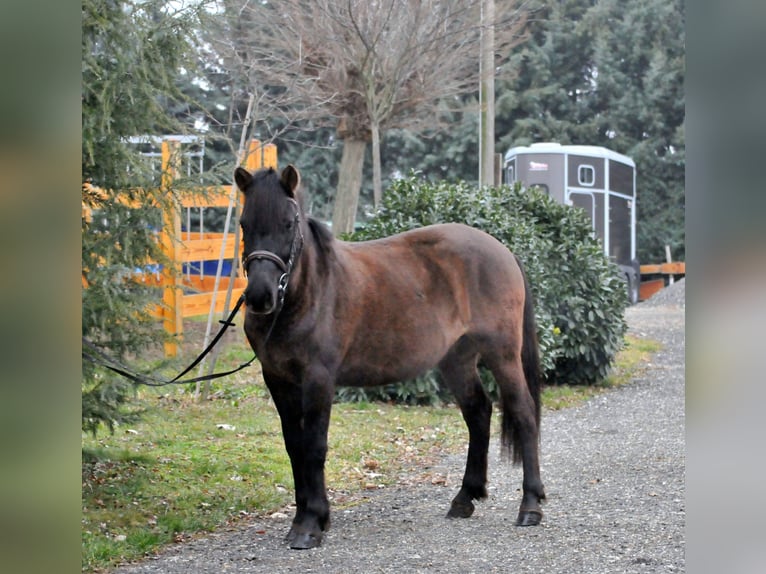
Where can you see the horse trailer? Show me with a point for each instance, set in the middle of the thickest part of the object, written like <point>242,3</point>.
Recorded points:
<point>599,181</point>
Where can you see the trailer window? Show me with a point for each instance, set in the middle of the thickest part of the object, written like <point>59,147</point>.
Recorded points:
<point>586,175</point>
<point>510,177</point>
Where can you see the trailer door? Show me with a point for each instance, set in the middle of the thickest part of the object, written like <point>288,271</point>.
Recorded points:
<point>585,201</point>
<point>593,204</point>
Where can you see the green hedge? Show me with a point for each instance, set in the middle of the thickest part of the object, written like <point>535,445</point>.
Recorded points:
<point>579,296</point>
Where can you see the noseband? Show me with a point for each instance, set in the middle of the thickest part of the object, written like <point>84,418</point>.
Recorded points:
<point>296,246</point>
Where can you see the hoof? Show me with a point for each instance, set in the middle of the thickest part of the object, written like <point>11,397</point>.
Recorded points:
<point>529,518</point>
<point>291,534</point>
<point>300,539</point>
<point>306,541</point>
<point>461,509</point>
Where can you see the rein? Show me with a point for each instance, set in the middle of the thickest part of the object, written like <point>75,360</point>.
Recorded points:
<point>93,354</point>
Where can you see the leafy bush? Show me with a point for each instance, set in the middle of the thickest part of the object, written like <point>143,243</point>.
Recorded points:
<point>579,296</point>
<point>424,390</point>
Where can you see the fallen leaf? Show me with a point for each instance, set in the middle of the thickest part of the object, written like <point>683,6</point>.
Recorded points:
<point>439,479</point>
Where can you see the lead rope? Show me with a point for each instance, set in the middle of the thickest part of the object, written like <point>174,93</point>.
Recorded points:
<point>93,354</point>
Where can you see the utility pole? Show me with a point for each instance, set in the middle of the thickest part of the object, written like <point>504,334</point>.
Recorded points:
<point>487,95</point>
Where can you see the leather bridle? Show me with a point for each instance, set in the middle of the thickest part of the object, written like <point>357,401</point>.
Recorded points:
<point>286,267</point>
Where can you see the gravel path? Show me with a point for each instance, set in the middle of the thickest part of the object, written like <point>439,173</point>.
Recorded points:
<point>614,470</point>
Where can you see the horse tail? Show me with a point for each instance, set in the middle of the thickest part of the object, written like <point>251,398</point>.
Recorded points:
<point>530,361</point>
<point>530,350</point>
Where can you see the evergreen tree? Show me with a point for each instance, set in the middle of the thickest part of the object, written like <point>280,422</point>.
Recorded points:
<point>446,154</point>
<point>609,73</point>
<point>592,72</point>
<point>551,79</point>
<point>638,109</point>
<point>132,55</point>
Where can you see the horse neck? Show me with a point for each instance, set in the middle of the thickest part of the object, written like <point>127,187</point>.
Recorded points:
<point>304,278</point>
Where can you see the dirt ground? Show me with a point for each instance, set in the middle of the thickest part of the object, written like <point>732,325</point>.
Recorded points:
<point>614,470</point>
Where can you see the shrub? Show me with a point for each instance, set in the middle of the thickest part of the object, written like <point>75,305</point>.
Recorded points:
<point>579,296</point>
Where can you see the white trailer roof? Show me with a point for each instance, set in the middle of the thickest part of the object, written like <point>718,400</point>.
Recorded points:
<point>553,147</point>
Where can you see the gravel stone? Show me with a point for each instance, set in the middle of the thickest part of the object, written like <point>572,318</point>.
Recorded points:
<point>614,470</point>
<point>674,295</point>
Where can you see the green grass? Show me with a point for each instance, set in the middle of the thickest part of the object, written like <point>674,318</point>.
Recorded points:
<point>175,474</point>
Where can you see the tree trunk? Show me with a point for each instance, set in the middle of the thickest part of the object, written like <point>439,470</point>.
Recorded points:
<point>377,183</point>
<point>349,183</point>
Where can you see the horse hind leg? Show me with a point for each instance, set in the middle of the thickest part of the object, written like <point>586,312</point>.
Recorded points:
<point>460,375</point>
<point>520,435</point>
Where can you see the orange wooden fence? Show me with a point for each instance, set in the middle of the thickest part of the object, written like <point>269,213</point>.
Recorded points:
<point>656,276</point>
<point>192,247</point>
<point>198,247</point>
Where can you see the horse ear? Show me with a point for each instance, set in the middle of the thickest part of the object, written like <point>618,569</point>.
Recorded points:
<point>243,178</point>
<point>291,179</point>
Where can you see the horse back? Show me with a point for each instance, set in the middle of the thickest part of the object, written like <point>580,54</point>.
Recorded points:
<point>402,302</point>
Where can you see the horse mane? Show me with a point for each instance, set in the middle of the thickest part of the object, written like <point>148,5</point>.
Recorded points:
<point>323,238</point>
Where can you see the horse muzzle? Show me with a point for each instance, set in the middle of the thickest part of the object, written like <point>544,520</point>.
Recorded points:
<point>263,296</point>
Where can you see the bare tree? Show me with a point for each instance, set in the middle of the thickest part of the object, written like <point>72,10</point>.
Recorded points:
<point>367,65</point>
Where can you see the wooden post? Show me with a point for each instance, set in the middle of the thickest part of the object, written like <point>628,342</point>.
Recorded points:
<point>270,155</point>
<point>172,297</point>
<point>254,159</point>
<point>671,279</point>
<point>487,94</point>
<point>261,155</point>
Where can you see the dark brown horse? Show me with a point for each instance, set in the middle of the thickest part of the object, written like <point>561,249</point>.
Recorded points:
<point>322,312</point>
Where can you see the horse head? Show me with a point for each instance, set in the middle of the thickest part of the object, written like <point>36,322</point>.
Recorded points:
<point>272,235</point>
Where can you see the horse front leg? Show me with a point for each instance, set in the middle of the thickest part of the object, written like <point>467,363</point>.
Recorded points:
<point>313,519</point>
<point>289,403</point>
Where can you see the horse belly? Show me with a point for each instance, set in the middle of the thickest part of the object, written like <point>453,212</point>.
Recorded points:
<point>370,375</point>
<point>395,355</point>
